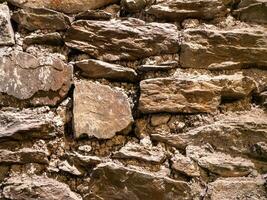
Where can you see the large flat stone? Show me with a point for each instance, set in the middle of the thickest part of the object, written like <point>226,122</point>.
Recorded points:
<point>113,181</point>
<point>26,187</point>
<point>192,94</point>
<point>99,69</point>
<point>178,10</point>
<point>100,111</point>
<point>6,30</point>
<point>66,6</point>
<point>41,18</point>
<point>130,39</point>
<point>226,49</point>
<point>26,80</point>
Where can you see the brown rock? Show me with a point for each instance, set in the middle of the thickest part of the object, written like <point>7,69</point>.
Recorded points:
<point>44,39</point>
<point>26,124</point>
<point>236,188</point>
<point>99,69</point>
<point>252,11</point>
<point>26,80</point>
<point>107,184</point>
<point>100,111</point>
<point>224,49</point>
<point>192,94</point>
<point>178,10</point>
<point>129,39</point>
<point>23,187</point>
<point>6,30</point>
<point>220,163</point>
<point>23,156</point>
<point>94,15</point>
<point>41,18</point>
<point>66,6</point>
<point>133,6</point>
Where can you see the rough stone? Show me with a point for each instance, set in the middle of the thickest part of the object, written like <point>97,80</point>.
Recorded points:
<point>100,111</point>
<point>99,69</point>
<point>24,187</point>
<point>94,15</point>
<point>44,39</point>
<point>6,30</point>
<point>23,156</point>
<point>225,49</point>
<point>41,18</point>
<point>132,39</point>
<point>26,125</point>
<point>67,167</point>
<point>192,94</point>
<point>133,6</point>
<point>66,6</point>
<point>179,10</point>
<point>236,188</point>
<point>26,80</point>
<point>107,184</point>
<point>252,11</point>
<point>220,163</point>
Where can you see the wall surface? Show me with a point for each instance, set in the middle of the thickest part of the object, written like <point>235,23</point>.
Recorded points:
<point>133,100</point>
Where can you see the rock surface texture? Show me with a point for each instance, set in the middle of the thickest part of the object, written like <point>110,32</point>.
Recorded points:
<point>133,99</point>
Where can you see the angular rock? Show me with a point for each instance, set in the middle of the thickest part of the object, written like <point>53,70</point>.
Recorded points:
<point>94,15</point>
<point>154,68</point>
<point>236,188</point>
<point>83,160</point>
<point>66,6</point>
<point>146,153</point>
<point>67,167</point>
<point>192,94</point>
<point>220,163</point>
<point>99,69</point>
<point>26,80</point>
<point>23,156</point>
<point>252,11</point>
<point>179,10</point>
<point>184,165</point>
<point>112,181</point>
<point>24,187</point>
<point>100,111</point>
<point>133,6</point>
<point>260,150</point>
<point>224,49</point>
<point>235,133</point>
<point>6,30</point>
<point>26,125</point>
<point>130,39</point>
<point>44,39</point>
<point>41,18</point>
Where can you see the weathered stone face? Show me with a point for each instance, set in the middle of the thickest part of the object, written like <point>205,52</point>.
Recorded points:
<point>100,111</point>
<point>192,94</point>
<point>24,187</point>
<point>140,184</point>
<point>6,30</point>
<point>26,80</point>
<point>225,49</point>
<point>174,10</point>
<point>41,18</point>
<point>132,39</point>
<point>98,69</point>
<point>66,6</point>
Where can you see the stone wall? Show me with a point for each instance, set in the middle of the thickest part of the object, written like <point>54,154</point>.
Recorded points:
<point>133,99</point>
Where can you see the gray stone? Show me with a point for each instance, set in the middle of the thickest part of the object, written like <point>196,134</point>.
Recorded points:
<point>6,30</point>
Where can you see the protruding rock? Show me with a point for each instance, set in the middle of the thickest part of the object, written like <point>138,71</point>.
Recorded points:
<point>44,39</point>
<point>41,18</point>
<point>100,111</point>
<point>178,10</point>
<point>94,15</point>
<point>192,94</point>
<point>110,179</point>
<point>141,152</point>
<point>236,188</point>
<point>26,80</point>
<point>130,39</point>
<point>26,124</point>
<point>24,187</point>
<point>133,6</point>
<point>220,163</point>
<point>67,167</point>
<point>225,49</point>
<point>6,30</point>
<point>23,156</point>
<point>66,6</point>
<point>100,69</point>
